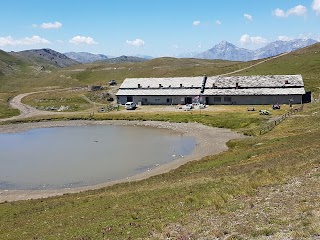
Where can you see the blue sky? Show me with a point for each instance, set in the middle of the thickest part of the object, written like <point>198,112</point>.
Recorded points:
<point>153,27</point>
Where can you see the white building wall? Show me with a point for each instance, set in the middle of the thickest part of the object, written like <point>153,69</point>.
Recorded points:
<point>253,100</point>
<point>155,100</point>
<point>212,100</point>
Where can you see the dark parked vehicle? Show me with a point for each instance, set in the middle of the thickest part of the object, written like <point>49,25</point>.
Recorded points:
<point>113,82</point>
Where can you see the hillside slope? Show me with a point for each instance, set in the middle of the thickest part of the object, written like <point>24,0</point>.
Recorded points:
<point>46,57</point>
<point>9,63</point>
<point>305,61</point>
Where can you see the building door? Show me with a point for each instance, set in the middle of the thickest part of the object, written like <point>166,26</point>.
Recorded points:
<point>188,100</point>
<point>207,100</point>
<point>306,98</point>
<point>129,99</point>
<point>144,101</point>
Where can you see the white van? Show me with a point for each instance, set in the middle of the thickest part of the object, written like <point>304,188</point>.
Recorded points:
<point>130,106</point>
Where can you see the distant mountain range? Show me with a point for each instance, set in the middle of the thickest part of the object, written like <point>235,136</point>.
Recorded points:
<point>224,51</point>
<point>42,59</point>
<point>228,51</point>
<point>85,57</point>
<point>123,59</point>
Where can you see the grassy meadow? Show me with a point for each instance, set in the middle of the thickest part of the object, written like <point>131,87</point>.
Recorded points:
<point>264,187</point>
<point>185,202</point>
<point>5,111</point>
<point>53,101</point>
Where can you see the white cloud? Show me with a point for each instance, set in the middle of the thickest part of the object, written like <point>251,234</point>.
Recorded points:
<point>316,6</point>
<point>279,13</point>
<point>34,40</point>
<point>247,40</point>
<point>218,22</point>
<point>196,23</point>
<point>248,16</point>
<point>82,40</point>
<point>297,10</point>
<point>284,38</point>
<point>54,25</point>
<point>137,43</point>
<point>175,46</point>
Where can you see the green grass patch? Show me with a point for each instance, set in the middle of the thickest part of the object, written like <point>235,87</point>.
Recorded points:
<point>5,110</point>
<point>248,124</point>
<point>135,209</point>
<point>70,101</point>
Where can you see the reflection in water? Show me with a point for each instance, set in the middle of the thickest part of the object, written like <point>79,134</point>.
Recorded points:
<point>52,158</point>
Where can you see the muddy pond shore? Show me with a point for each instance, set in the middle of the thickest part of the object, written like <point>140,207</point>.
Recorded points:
<point>209,141</point>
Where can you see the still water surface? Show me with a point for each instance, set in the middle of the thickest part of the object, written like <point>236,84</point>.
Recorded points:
<point>53,158</point>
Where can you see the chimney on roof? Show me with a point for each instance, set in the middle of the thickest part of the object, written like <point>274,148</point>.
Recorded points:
<point>160,86</point>
<point>286,81</point>
<point>139,86</point>
<point>181,85</point>
<point>237,85</point>
<point>204,79</point>
<point>203,83</point>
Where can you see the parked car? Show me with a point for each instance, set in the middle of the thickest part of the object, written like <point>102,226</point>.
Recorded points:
<point>130,106</point>
<point>113,82</point>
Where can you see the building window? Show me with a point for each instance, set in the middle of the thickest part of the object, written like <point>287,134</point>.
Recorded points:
<point>130,99</point>
<point>217,99</point>
<point>144,100</point>
<point>227,99</point>
<point>169,100</point>
<point>157,99</point>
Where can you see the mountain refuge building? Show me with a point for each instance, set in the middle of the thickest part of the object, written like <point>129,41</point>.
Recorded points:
<point>215,90</point>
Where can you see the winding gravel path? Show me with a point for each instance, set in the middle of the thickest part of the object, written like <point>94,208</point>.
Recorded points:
<point>27,110</point>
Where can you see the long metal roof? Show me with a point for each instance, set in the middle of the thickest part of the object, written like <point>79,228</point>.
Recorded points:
<point>158,92</point>
<point>216,85</point>
<point>255,91</point>
<point>165,82</point>
<point>271,81</point>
